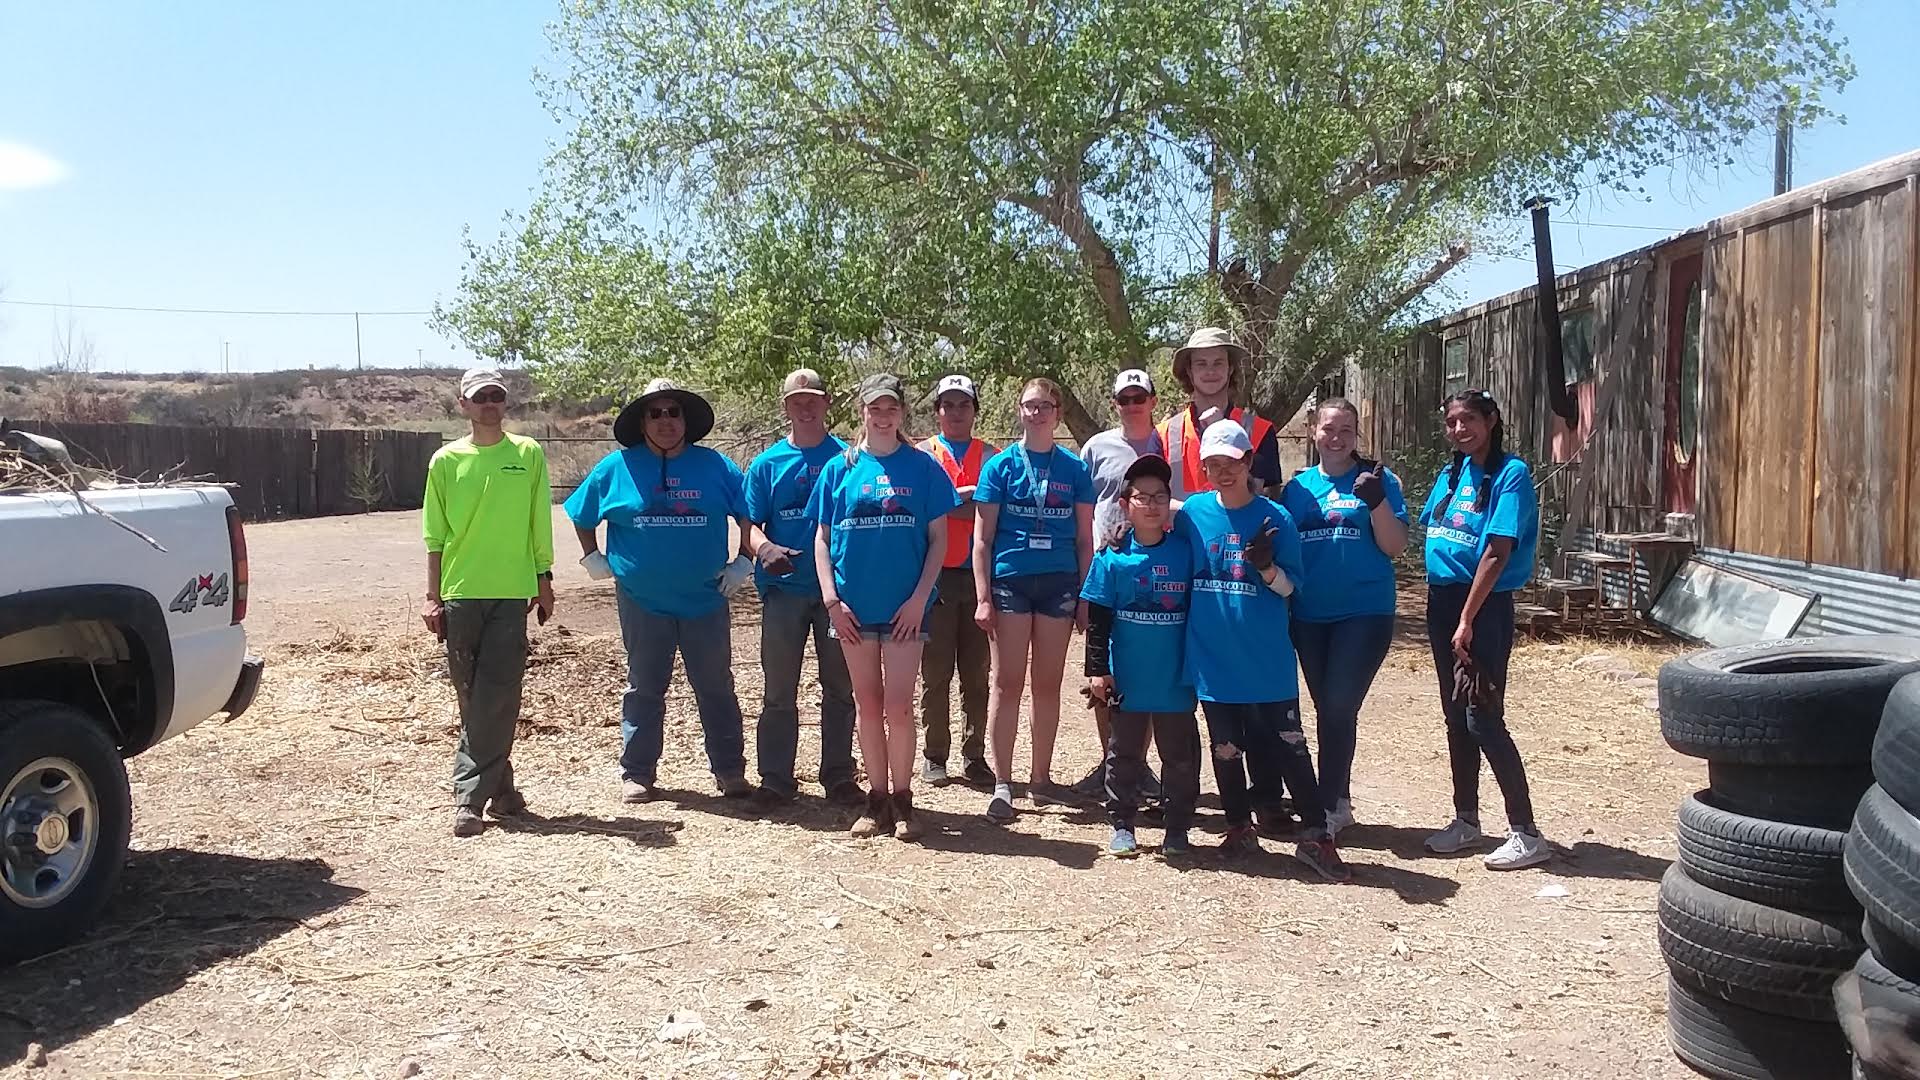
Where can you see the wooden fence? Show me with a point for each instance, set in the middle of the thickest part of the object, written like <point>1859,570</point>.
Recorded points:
<point>274,472</point>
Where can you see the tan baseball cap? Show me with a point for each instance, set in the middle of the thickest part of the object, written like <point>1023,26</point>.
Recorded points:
<point>803,381</point>
<point>480,379</point>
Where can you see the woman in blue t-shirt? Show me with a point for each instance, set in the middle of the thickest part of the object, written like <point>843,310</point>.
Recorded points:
<point>1032,543</point>
<point>1483,528</point>
<point>881,509</point>
<point>1352,519</point>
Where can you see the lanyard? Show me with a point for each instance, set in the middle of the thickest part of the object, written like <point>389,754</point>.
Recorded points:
<point>1037,483</point>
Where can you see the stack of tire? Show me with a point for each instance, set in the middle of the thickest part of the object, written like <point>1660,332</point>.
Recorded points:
<point>1879,1001</point>
<point>1756,919</point>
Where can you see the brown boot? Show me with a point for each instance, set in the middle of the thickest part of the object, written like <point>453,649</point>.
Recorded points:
<point>905,827</point>
<point>877,818</point>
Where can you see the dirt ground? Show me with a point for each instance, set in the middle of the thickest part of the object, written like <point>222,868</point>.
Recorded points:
<point>295,907</point>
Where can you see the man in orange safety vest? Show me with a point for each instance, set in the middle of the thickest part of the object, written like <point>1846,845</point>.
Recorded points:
<point>955,643</point>
<point>1209,367</point>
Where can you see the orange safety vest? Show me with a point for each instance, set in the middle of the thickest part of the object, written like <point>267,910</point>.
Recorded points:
<point>1182,440</point>
<point>962,472</point>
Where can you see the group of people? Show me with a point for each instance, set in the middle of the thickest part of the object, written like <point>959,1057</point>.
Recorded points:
<point>1196,575</point>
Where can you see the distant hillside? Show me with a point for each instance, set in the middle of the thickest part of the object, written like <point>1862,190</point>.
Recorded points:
<point>416,399</point>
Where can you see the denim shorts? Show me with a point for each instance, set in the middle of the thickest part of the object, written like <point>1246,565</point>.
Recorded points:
<point>877,632</point>
<point>1052,595</point>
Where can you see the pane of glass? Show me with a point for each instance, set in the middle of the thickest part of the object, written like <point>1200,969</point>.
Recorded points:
<point>1576,344</point>
<point>1689,432</point>
<point>1453,366</point>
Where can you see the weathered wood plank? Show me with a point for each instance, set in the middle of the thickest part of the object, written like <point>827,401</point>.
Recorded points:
<point>1773,503</point>
<point>1722,377</point>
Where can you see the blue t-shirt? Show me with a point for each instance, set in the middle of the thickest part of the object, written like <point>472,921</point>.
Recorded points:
<point>666,524</point>
<point>878,509</point>
<point>1147,589</point>
<point>1346,572</point>
<point>1238,648</point>
<point>779,485</point>
<point>1037,495</point>
<point>1457,534</point>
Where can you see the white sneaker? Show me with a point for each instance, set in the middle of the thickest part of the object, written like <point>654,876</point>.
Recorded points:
<point>1519,852</point>
<point>1458,836</point>
<point>1340,817</point>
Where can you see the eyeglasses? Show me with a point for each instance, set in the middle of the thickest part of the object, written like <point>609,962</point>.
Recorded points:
<point>664,412</point>
<point>495,396</point>
<point>1127,400</point>
<point>1038,406</point>
<point>1158,498</point>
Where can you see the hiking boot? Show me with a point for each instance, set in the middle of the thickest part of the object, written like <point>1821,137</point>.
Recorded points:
<point>733,785</point>
<point>1519,852</point>
<point>1240,840</point>
<point>978,773</point>
<point>876,818</point>
<point>1339,817</point>
<point>509,803</point>
<point>773,797</point>
<point>934,772</point>
<point>905,826</point>
<point>634,792</point>
<point>467,821</point>
<point>1457,836</point>
<point>1093,785</point>
<point>1123,845</point>
<point>1323,858</point>
<point>1176,845</point>
<point>1048,793</point>
<point>1000,809</point>
<point>1277,823</point>
<point>846,793</point>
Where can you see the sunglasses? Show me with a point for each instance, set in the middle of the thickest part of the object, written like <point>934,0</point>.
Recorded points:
<point>495,396</point>
<point>1131,399</point>
<point>664,412</point>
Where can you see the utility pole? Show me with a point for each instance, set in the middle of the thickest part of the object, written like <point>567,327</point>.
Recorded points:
<point>1782,152</point>
<point>226,357</point>
<point>359,362</point>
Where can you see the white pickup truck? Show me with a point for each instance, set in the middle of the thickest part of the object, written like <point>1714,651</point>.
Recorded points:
<point>109,645</point>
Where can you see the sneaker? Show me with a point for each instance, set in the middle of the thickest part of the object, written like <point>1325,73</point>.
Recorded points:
<point>1176,845</point>
<point>978,773</point>
<point>733,786</point>
<point>905,826</point>
<point>1240,840</point>
<point>935,773</point>
<point>1519,852</point>
<point>999,809</point>
<point>1456,837</point>
<point>509,803</point>
<point>634,791</point>
<point>467,821</point>
<point>1094,784</point>
<point>1339,817</point>
<point>876,818</point>
<point>847,793</point>
<point>1123,845</point>
<point>1324,859</point>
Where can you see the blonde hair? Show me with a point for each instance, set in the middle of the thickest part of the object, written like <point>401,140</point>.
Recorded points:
<point>859,443</point>
<point>1052,388</point>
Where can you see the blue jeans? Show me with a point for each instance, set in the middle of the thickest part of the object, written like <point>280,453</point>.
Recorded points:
<point>1340,660</point>
<point>1270,755</point>
<point>706,648</point>
<point>787,619</point>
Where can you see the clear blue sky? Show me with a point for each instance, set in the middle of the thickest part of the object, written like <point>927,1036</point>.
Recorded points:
<point>326,157</point>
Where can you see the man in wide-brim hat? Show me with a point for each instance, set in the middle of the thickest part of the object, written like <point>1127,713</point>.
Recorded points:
<point>1210,366</point>
<point>666,503</point>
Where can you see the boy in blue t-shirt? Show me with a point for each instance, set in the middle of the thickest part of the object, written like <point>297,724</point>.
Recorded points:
<point>1136,594</point>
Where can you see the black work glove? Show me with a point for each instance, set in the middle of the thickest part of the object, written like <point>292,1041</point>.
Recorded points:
<point>1370,487</point>
<point>1259,551</point>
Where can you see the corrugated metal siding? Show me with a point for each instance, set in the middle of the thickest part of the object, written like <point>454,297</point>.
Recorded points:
<point>1850,601</point>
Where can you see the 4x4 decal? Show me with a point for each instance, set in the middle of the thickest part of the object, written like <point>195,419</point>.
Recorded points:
<point>205,589</point>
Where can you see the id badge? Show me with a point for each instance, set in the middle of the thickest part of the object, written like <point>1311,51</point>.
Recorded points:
<point>1039,542</point>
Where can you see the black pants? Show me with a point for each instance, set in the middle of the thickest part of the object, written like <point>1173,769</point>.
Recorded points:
<point>1479,729</point>
<point>1269,750</point>
<point>1178,738</point>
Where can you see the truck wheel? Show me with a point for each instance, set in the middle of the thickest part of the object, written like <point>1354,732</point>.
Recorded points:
<point>65,815</point>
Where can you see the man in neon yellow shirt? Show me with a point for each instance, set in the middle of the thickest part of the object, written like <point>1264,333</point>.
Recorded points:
<point>488,523</point>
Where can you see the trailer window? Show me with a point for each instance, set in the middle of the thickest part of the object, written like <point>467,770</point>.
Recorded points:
<point>1576,344</point>
<point>1453,367</point>
<point>1689,433</point>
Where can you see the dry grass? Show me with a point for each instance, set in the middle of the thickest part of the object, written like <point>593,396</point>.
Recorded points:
<point>296,909</point>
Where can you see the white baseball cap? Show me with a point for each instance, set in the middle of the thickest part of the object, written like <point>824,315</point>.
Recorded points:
<point>951,383</point>
<point>1132,378</point>
<point>479,379</point>
<point>1225,438</point>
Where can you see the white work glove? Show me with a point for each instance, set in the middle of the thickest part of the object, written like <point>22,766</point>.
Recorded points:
<point>596,566</point>
<point>736,575</point>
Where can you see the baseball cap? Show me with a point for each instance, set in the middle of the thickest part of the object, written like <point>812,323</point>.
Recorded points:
<point>480,378</point>
<point>1150,465</point>
<point>803,381</point>
<point>1132,378</point>
<point>1224,438</point>
<point>874,387</point>
<point>952,383</point>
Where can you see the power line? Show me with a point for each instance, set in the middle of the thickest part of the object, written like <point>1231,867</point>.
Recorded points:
<point>201,311</point>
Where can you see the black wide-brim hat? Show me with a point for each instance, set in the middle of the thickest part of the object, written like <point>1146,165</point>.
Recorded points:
<point>630,427</point>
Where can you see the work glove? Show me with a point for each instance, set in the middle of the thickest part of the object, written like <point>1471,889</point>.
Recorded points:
<point>777,560</point>
<point>737,574</point>
<point>596,566</point>
<point>1259,551</point>
<point>1370,487</point>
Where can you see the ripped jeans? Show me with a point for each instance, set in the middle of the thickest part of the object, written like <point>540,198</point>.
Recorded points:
<point>1268,749</point>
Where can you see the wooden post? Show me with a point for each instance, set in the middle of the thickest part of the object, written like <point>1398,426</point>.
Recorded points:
<point>1813,374</point>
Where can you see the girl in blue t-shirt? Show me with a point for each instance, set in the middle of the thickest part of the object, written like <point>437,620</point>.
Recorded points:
<point>1352,520</point>
<point>881,509</point>
<point>1483,527</point>
<point>1032,544</point>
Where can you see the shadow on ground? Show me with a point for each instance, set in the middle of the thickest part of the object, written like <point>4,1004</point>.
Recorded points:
<point>178,913</point>
<point>1582,859</point>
